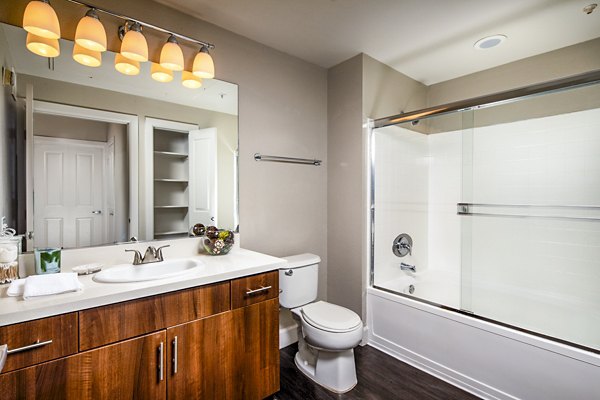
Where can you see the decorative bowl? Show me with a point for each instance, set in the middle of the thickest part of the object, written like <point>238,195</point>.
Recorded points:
<point>218,241</point>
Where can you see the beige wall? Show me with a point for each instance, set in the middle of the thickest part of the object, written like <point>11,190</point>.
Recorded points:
<point>7,143</point>
<point>358,88</point>
<point>69,128</point>
<point>344,189</point>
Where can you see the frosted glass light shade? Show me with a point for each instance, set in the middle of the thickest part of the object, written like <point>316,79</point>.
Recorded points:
<point>42,46</point>
<point>87,57</point>
<point>190,80</point>
<point>160,73</point>
<point>204,66</point>
<point>171,56</point>
<point>126,66</point>
<point>90,33</point>
<point>41,20</point>
<point>134,46</point>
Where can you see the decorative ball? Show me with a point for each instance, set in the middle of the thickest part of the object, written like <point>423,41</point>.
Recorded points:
<point>219,242</point>
<point>198,230</point>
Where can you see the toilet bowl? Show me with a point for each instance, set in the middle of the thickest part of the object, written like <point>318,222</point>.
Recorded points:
<point>327,333</point>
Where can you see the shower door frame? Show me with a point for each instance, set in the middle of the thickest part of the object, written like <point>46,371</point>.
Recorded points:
<point>472,104</point>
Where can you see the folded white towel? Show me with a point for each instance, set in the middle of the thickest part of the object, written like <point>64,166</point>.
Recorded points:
<point>16,287</point>
<point>3,355</point>
<point>44,285</point>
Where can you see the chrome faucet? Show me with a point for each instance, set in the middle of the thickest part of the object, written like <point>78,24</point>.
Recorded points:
<point>151,255</point>
<point>408,267</point>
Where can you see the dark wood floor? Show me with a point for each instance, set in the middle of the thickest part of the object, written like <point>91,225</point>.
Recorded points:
<point>379,377</point>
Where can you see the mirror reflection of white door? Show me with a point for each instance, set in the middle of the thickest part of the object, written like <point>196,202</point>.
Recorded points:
<point>69,192</point>
<point>203,177</point>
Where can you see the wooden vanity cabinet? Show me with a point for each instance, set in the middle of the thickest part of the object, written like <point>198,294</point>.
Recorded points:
<point>218,341</point>
<point>125,370</point>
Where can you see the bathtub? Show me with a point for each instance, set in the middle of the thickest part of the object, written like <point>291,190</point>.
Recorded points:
<point>486,359</point>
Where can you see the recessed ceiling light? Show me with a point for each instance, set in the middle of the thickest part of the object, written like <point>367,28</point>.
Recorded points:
<point>489,41</point>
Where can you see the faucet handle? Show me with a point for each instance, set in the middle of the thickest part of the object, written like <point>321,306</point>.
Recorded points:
<point>159,255</point>
<point>137,258</point>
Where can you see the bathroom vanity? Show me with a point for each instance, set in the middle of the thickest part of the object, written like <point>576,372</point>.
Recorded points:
<point>217,340</point>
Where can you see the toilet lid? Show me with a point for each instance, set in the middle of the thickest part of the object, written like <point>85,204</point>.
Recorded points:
<point>330,317</point>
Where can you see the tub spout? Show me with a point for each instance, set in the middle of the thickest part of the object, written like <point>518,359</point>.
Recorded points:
<point>408,267</point>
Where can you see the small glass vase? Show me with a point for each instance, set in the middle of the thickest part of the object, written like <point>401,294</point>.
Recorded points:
<point>47,261</point>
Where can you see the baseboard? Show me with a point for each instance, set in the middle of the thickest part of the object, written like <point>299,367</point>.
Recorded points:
<point>288,335</point>
<point>438,370</point>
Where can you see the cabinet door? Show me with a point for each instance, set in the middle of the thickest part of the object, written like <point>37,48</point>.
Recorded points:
<point>200,359</point>
<point>256,350</point>
<point>126,370</point>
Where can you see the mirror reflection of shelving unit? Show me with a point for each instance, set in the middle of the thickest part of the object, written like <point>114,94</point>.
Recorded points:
<point>171,182</point>
<point>180,177</point>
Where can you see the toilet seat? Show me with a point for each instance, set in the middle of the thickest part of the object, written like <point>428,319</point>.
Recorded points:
<point>330,317</point>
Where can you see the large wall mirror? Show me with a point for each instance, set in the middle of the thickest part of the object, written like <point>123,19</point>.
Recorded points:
<point>92,157</point>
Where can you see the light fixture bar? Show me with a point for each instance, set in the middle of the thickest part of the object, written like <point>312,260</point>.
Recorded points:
<point>157,28</point>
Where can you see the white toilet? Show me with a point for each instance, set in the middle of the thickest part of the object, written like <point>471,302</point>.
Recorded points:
<point>327,334</point>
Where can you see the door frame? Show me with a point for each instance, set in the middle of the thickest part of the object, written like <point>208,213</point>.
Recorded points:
<point>131,121</point>
<point>148,166</point>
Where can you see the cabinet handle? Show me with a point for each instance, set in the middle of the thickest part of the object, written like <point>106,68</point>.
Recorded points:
<point>30,347</point>
<point>161,360</point>
<point>175,355</point>
<point>250,292</point>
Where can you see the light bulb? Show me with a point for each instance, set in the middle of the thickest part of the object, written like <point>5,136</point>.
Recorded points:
<point>171,56</point>
<point>126,66</point>
<point>160,73</point>
<point>204,66</point>
<point>42,46</point>
<point>90,32</point>
<point>41,20</point>
<point>190,80</point>
<point>87,57</point>
<point>134,45</point>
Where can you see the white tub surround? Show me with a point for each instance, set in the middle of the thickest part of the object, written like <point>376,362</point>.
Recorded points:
<point>238,263</point>
<point>485,359</point>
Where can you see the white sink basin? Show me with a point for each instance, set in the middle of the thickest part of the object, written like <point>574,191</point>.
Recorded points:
<point>147,272</point>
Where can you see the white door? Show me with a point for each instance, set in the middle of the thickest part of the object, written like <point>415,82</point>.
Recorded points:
<point>69,192</point>
<point>203,177</point>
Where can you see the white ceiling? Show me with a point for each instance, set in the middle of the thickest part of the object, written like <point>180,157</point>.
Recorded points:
<point>428,40</point>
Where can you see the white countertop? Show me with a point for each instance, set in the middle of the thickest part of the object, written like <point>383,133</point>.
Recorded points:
<point>236,264</point>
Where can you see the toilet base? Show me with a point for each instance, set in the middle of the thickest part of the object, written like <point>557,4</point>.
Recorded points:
<point>335,371</point>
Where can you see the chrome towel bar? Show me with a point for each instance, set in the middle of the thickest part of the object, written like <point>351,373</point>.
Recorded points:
<point>290,160</point>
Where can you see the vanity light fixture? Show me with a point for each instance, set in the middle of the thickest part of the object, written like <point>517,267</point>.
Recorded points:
<point>134,45</point>
<point>171,55</point>
<point>126,66</point>
<point>42,46</point>
<point>87,57</point>
<point>190,80</point>
<point>204,66</point>
<point>90,32</point>
<point>41,20</point>
<point>160,73</point>
<point>41,23</point>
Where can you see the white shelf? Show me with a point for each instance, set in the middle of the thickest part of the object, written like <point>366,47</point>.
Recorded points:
<point>170,154</point>
<point>172,206</point>
<point>171,180</point>
<point>169,233</point>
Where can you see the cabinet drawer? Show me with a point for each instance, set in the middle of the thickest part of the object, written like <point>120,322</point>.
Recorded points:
<point>108,324</point>
<point>41,340</point>
<point>254,289</point>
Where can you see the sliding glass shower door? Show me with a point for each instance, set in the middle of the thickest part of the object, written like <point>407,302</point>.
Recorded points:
<point>495,212</point>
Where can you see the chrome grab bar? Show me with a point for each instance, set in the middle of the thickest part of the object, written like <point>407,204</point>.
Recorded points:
<point>289,160</point>
<point>35,345</point>
<point>250,292</point>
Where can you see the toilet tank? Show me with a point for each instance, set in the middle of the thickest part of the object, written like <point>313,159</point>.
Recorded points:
<point>299,280</point>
